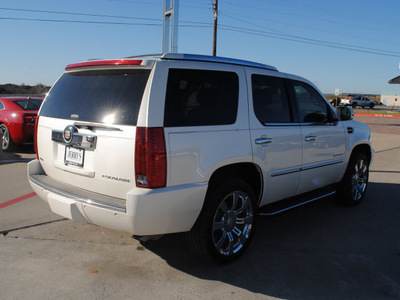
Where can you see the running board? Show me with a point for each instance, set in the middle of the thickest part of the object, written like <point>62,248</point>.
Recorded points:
<point>270,211</point>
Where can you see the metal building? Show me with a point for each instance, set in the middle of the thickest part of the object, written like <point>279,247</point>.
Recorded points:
<point>392,100</point>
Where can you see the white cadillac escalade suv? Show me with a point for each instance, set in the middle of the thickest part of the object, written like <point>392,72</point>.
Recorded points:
<point>154,145</point>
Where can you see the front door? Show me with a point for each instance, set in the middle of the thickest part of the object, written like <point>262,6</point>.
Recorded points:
<point>323,139</point>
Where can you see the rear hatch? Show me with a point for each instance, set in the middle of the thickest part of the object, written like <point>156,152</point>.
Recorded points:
<point>87,126</point>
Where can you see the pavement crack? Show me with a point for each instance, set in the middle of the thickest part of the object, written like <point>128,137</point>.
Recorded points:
<point>5,232</point>
<point>385,150</point>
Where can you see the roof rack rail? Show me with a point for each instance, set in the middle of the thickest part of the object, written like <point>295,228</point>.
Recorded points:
<point>219,59</point>
<point>146,55</point>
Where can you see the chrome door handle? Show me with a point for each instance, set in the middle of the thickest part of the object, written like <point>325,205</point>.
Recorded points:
<point>310,138</point>
<point>261,141</point>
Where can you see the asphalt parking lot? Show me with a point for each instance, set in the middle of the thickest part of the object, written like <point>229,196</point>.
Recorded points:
<point>319,251</point>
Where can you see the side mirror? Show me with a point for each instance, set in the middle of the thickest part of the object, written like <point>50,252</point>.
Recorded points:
<point>345,113</point>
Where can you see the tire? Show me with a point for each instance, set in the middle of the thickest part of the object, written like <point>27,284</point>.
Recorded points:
<point>372,105</point>
<point>354,105</point>
<point>7,143</point>
<point>226,224</point>
<point>355,181</point>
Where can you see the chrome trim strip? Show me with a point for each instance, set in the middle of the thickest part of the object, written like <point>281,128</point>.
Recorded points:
<point>328,163</point>
<point>314,166</point>
<point>279,173</point>
<point>281,124</point>
<point>319,124</point>
<point>84,141</point>
<point>75,197</point>
<point>297,205</point>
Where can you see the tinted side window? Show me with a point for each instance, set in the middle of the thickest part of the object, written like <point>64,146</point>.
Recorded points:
<point>312,107</point>
<point>104,96</point>
<point>270,101</point>
<point>29,104</point>
<point>201,97</point>
<point>1,105</point>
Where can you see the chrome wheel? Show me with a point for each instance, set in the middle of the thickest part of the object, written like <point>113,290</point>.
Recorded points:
<point>232,224</point>
<point>5,140</point>
<point>227,222</point>
<point>354,184</point>
<point>359,180</point>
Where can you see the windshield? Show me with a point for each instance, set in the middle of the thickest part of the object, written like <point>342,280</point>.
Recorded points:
<point>103,96</point>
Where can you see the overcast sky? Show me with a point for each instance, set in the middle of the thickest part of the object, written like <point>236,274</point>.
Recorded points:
<point>353,45</point>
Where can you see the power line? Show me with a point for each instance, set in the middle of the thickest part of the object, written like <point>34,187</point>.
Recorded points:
<point>78,21</point>
<point>192,24</point>
<point>325,43</point>
<point>98,22</point>
<point>305,41</point>
<point>306,7</point>
<point>93,15</point>
<point>135,2</point>
<point>345,14</point>
<point>369,39</point>
<point>76,14</point>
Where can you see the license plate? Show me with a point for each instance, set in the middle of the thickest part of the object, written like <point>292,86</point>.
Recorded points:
<point>74,156</point>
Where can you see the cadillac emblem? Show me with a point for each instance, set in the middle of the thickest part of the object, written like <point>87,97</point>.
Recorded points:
<point>69,133</point>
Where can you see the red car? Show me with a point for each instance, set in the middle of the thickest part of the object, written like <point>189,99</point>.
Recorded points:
<point>17,120</point>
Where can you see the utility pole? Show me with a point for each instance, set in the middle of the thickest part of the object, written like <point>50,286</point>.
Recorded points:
<point>170,26</point>
<point>215,6</point>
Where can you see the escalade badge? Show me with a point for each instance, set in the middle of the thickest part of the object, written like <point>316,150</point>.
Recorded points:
<point>69,133</point>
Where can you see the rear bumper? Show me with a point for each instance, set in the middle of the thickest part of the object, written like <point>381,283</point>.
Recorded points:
<point>143,212</point>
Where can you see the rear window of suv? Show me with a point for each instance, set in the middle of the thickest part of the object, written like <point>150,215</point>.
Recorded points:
<point>103,96</point>
<point>201,97</point>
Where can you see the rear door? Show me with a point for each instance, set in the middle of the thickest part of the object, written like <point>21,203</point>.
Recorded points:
<point>275,135</point>
<point>206,119</point>
<point>87,126</point>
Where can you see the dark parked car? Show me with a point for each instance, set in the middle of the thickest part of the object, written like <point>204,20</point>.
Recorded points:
<point>17,120</point>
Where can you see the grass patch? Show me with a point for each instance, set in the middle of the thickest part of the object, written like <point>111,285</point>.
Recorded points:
<point>377,112</point>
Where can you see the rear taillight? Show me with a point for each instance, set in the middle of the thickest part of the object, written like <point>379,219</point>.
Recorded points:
<point>150,158</point>
<point>29,118</point>
<point>35,137</point>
